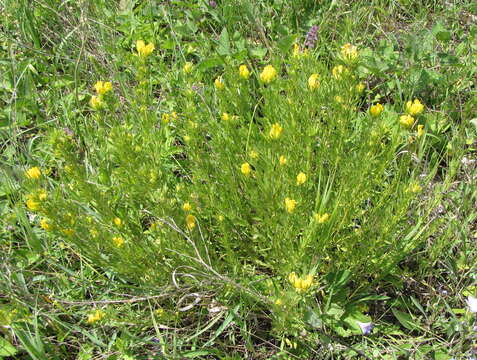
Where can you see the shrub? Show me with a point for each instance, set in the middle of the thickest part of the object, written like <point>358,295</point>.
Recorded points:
<point>277,173</point>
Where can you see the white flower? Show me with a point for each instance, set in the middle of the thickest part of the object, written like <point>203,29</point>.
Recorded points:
<point>365,327</point>
<point>472,302</point>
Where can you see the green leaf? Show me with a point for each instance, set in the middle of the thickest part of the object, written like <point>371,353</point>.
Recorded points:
<point>223,47</point>
<point>474,122</point>
<point>209,63</point>
<point>6,349</point>
<point>231,316</point>
<point>285,43</point>
<point>258,52</point>
<point>441,33</point>
<point>196,353</point>
<point>168,44</point>
<point>352,319</point>
<point>335,311</point>
<point>372,298</point>
<point>448,58</point>
<point>338,279</point>
<point>441,355</point>
<point>405,320</point>
<point>313,319</point>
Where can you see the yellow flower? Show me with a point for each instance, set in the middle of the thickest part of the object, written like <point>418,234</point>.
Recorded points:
<point>187,138</point>
<point>338,71</point>
<point>406,121</point>
<point>45,224</point>
<point>290,205</point>
<point>118,241</point>
<point>68,232</point>
<point>300,284</point>
<point>95,316</point>
<point>165,118</point>
<point>102,87</point>
<point>349,52</point>
<point>415,188</point>
<point>225,116</point>
<point>190,221</point>
<point>360,87</point>
<point>268,74</point>
<point>313,82</point>
<point>282,160</point>
<point>174,115</point>
<point>253,154</point>
<point>320,219</point>
<point>95,102</point>
<point>220,218</point>
<point>244,72</point>
<point>276,131</point>
<point>376,110</point>
<point>187,206</point>
<point>117,221</point>
<point>42,195</point>
<point>188,67</point>
<point>32,204</point>
<point>307,282</point>
<point>160,311</point>
<point>414,108</point>
<point>33,173</point>
<point>68,169</point>
<point>219,83</point>
<point>420,130</point>
<point>300,178</point>
<point>296,50</point>
<point>144,50</point>
<point>246,169</point>
<point>278,302</point>
<point>292,277</point>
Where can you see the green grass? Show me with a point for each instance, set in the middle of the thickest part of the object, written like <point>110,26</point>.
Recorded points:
<point>397,247</point>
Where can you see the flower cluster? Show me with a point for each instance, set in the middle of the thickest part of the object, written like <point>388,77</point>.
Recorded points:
<point>311,37</point>
<point>268,74</point>
<point>188,67</point>
<point>413,109</point>
<point>407,121</point>
<point>34,200</point>
<point>276,131</point>
<point>313,82</point>
<point>219,83</point>
<point>118,241</point>
<point>144,50</point>
<point>300,284</point>
<point>376,109</point>
<point>33,173</point>
<point>290,205</point>
<point>349,52</point>
<point>246,169</point>
<point>244,72</point>
<point>101,88</point>
<point>321,218</point>
<point>300,178</point>
<point>96,316</point>
<point>338,71</point>
<point>190,221</point>
<point>297,52</point>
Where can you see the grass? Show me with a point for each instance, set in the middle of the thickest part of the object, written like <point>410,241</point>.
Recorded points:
<point>159,226</point>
